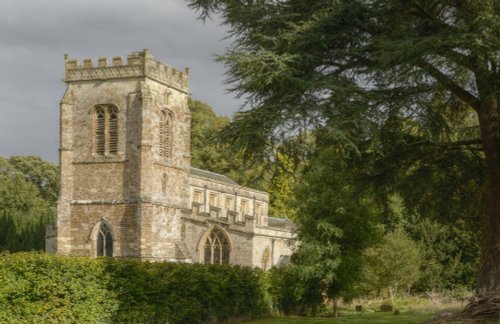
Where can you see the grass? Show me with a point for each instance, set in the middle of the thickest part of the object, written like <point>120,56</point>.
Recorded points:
<point>413,310</point>
<point>365,317</point>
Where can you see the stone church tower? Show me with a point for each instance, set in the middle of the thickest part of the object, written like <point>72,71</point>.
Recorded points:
<point>125,140</point>
<point>127,185</point>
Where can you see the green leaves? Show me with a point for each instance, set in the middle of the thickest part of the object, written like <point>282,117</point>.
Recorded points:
<point>28,191</point>
<point>338,219</point>
<point>38,287</point>
<point>391,91</point>
<point>393,264</point>
<point>274,171</point>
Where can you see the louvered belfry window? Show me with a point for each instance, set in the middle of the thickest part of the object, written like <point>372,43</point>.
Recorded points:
<point>99,130</point>
<point>113,130</point>
<point>165,132</point>
<point>106,130</point>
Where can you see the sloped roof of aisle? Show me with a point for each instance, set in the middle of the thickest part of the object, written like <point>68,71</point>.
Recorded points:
<point>212,176</point>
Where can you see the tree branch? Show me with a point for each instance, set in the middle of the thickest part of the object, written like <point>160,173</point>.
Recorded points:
<point>452,145</point>
<point>449,84</point>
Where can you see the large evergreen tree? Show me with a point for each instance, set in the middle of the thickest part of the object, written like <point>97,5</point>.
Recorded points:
<point>384,64</point>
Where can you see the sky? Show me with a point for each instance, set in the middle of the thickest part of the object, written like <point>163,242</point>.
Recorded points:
<point>35,35</point>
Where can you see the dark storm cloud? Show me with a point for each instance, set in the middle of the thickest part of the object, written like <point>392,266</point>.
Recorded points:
<point>34,35</point>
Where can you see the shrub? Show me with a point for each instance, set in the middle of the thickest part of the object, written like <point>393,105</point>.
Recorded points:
<point>291,293</point>
<point>37,287</point>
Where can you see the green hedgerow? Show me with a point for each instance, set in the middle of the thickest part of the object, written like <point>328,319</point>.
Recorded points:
<point>37,287</point>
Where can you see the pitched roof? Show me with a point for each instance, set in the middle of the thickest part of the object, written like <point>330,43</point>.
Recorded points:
<point>212,176</point>
<point>279,222</point>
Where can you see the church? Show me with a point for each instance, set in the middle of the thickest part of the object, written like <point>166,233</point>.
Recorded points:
<point>127,185</point>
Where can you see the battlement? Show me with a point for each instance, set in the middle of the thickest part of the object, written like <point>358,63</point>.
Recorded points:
<point>139,65</point>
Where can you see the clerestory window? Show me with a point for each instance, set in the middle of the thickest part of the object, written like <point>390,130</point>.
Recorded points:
<point>106,130</point>
<point>216,249</point>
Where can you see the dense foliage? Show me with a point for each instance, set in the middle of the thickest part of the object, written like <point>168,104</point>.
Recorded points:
<point>28,192</point>
<point>412,85</point>
<point>392,264</point>
<point>37,288</point>
<point>273,172</point>
<point>337,222</point>
<point>292,293</point>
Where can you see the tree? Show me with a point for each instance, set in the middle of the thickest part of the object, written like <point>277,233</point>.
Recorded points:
<point>26,202</point>
<point>338,220</point>
<point>274,172</point>
<point>393,264</point>
<point>310,63</point>
<point>209,153</point>
<point>449,255</point>
<point>44,175</point>
<point>205,124</point>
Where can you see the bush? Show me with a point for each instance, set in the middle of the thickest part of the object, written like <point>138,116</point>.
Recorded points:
<point>292,294</point>
<point>37,287</point>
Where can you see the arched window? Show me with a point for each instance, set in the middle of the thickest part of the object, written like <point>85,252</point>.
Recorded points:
<point>104,240</point>
<point>113,130</point>
<point>165,129</point>
<point>266,259</point>
<point>106,130</point>
<point>99,130</point>
<point>216,248</point>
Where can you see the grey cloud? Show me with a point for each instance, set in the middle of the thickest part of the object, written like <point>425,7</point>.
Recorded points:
<point>34,35</point>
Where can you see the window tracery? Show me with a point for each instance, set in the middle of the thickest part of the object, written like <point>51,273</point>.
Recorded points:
<point>104,240</point>
<point>99,130</point>
<point>216,248</point>
<point>106,130</point>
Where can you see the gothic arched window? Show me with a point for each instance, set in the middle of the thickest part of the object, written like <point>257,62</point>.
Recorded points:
<point>106,129</point>
<point>165,134</point>
<point>99,130</point>
<point>104,240</point>
<point>216,248</point>
<point>113,130</point>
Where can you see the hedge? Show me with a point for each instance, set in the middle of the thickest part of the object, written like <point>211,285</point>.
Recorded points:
<point>36,287</point>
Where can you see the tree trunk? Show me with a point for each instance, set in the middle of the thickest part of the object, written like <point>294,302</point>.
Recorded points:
<point>487,301</point>
<point>489,271</point>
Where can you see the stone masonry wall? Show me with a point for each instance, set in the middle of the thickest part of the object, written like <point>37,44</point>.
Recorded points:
<point>157,207</point>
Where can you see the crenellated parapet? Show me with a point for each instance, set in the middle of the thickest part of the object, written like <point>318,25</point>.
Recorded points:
<point>139,65</point>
